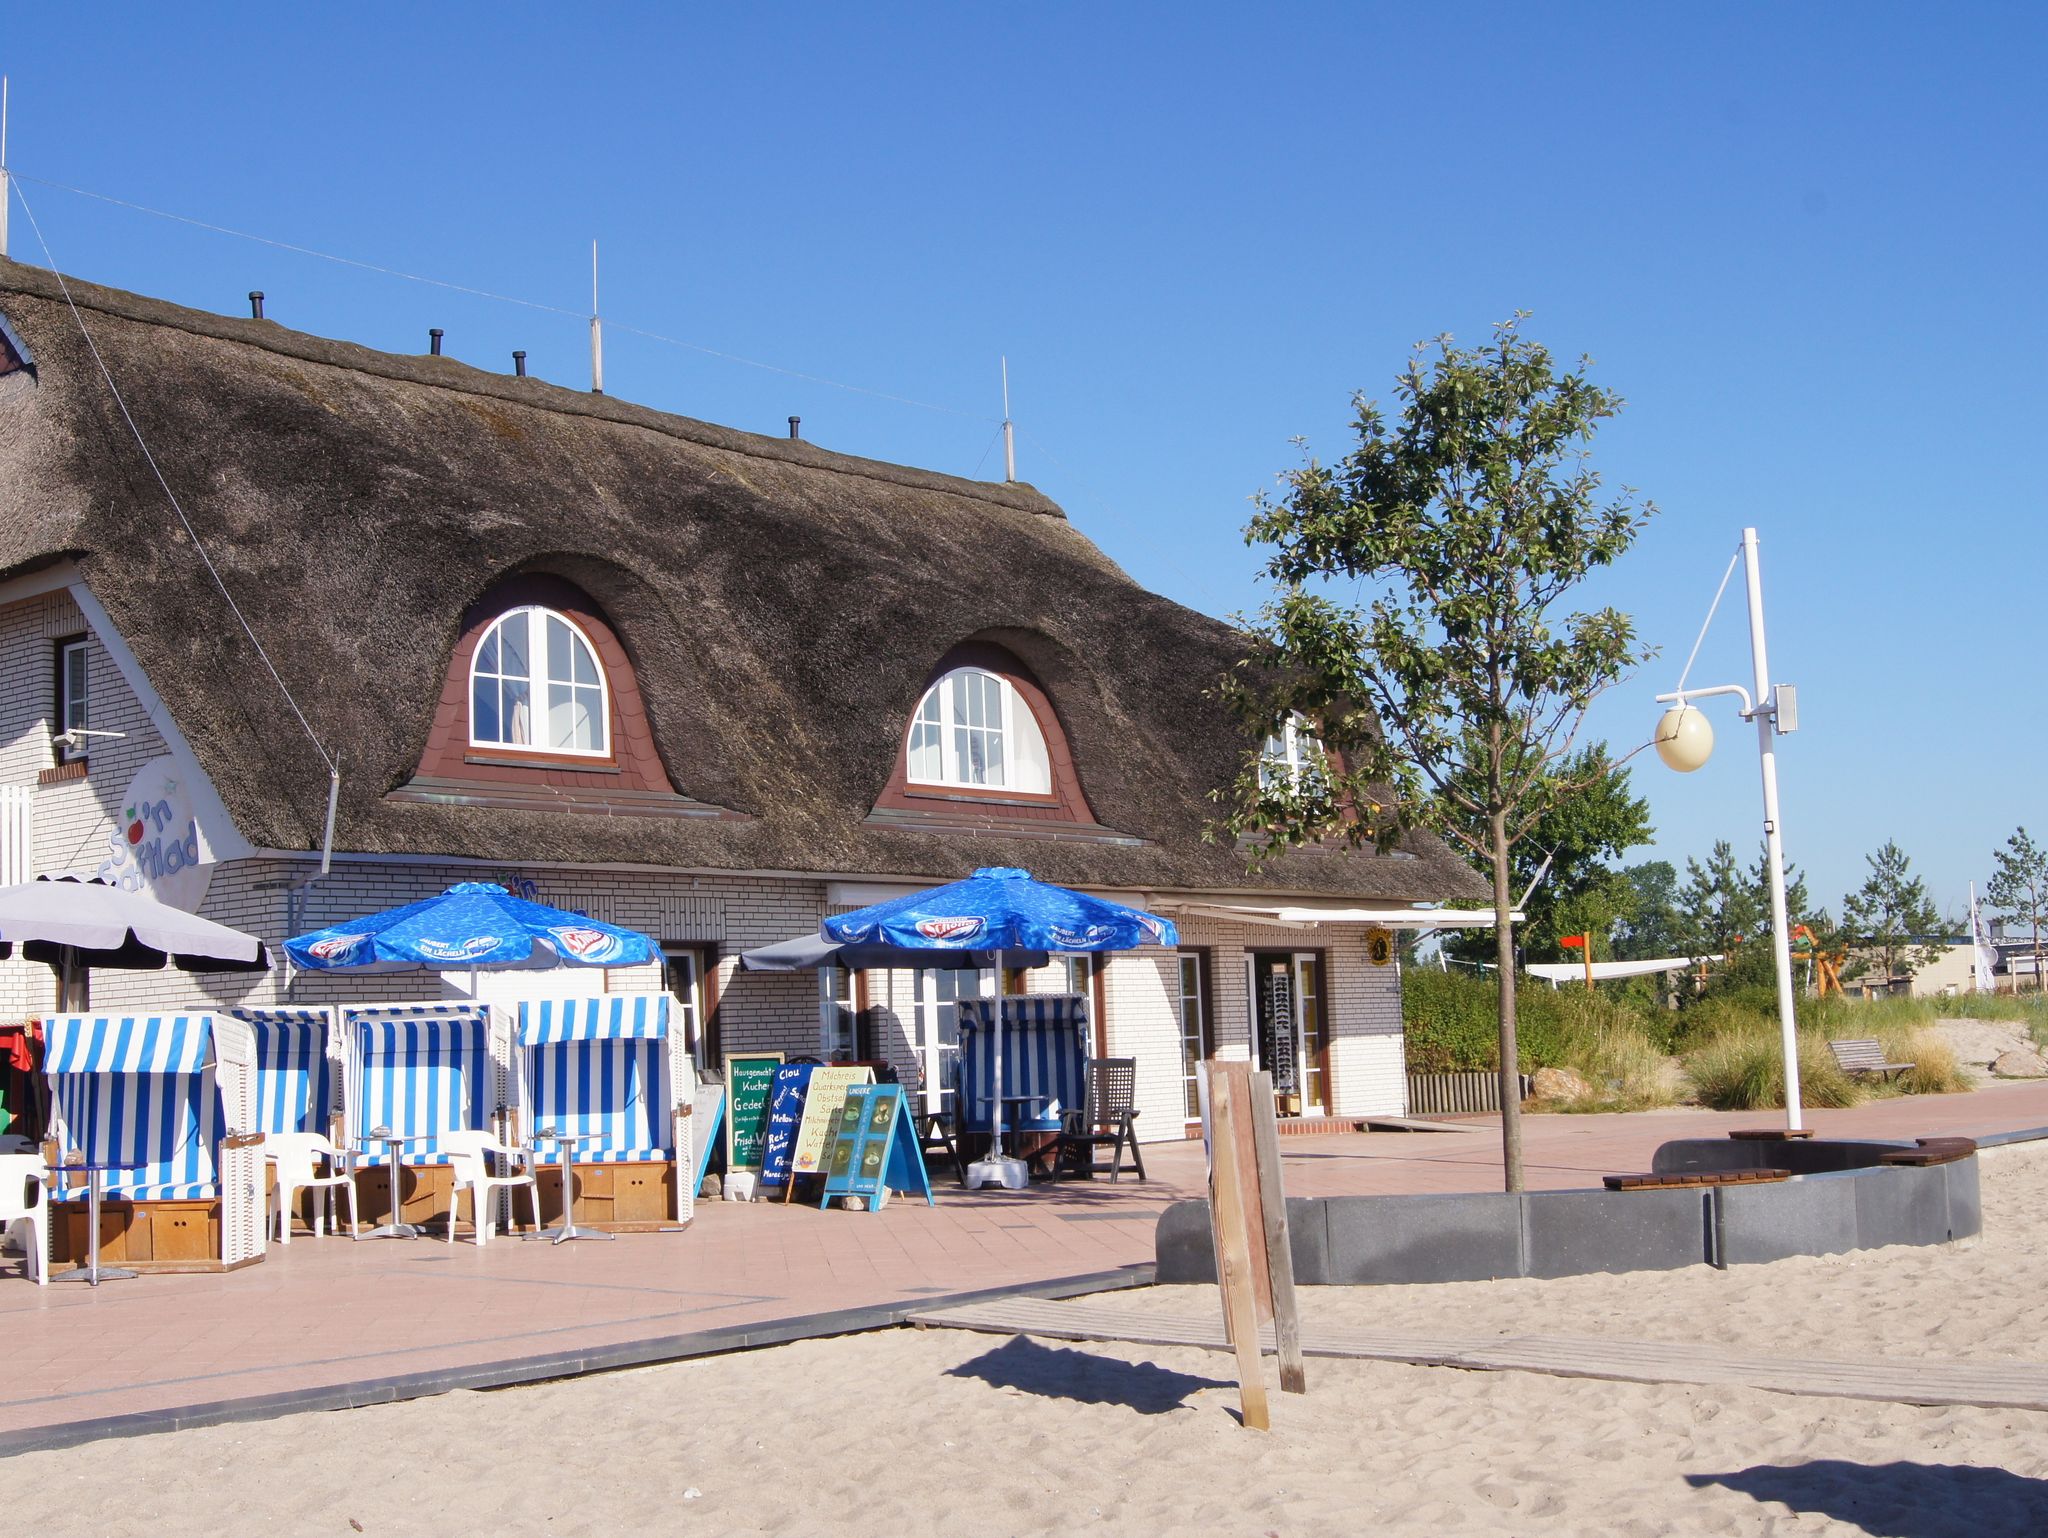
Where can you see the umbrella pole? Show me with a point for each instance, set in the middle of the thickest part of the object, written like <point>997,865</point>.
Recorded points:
<point>995,1169</point>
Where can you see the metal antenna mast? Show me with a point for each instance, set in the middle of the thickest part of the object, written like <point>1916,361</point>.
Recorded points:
<point>6,191</point>
<point>596,330</point>
<point>1009,430</point>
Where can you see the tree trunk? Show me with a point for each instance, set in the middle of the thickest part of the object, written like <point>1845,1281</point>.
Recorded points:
<point>1510,1063</point>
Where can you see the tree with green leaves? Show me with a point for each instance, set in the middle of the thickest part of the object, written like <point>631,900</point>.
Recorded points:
<point>2018,890</point>
<point>1886,920</point>
<point>1717,906</point>
<point>1456,693</point>
<point>1650,927</point>
<point>1576,838</point>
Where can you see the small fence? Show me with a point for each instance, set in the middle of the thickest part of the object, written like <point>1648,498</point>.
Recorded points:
<point>1446,1094</point>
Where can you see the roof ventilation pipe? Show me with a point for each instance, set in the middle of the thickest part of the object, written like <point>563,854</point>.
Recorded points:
<point>434,340</point>
<point>519,364</point>
<point>256,304</point>
<point>796,427</point>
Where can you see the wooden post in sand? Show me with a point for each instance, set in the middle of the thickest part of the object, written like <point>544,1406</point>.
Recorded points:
<point>1279,1247</point>
<point>1233,1244</point>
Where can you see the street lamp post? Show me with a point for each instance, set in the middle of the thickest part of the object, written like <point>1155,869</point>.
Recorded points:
<point>1684,740</point>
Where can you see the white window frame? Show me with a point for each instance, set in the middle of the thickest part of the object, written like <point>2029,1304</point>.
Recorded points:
<point>838,1015</point>
<point>1193,1003</point>
<point>935,1027</point>
<point>1019,738</point>
<point>1292,756</point>
<point>73,710</point>
<point>682,969</point>
<point>540,684</point>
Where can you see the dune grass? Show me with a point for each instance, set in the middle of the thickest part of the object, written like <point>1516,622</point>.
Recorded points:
<point>1727,1044</point>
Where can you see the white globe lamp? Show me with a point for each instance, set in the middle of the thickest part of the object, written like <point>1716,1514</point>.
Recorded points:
<point>1685,738</point>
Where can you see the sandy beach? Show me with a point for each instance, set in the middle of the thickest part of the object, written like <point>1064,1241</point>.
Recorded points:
<point>913,1432</point>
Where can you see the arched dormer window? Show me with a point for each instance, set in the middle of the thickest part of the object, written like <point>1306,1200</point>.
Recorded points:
<point>973,730</point>
<point>540,709</point>
<point>535,683</point>
<point>984,751</point>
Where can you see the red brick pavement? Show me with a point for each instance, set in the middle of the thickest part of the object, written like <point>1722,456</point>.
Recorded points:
<point>325,1313</point>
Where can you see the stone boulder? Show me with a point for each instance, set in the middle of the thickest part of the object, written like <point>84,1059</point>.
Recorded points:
<point>2020,1063</point>
<point>1558,1085</point>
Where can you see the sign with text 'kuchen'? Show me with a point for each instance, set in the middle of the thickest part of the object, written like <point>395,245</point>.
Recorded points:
<point>748,1078</point>
<point>874,1149</point>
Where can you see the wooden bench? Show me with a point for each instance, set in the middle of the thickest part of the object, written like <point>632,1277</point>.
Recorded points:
<point>1684,1178</point>
<point>1864,1055</point>
<point>1932,1150</point>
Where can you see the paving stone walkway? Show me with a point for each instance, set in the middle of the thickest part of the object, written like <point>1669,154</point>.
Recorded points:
<point>331,1322</point>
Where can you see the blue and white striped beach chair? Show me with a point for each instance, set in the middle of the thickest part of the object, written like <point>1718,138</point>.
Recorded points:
<point>607,1068</point>
<point>1045,1055</point>
<point>419,1070</point>
<point>154,1098</point>
<point>298,1068</point>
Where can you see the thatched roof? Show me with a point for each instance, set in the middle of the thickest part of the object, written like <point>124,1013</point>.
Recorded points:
<point>782,604</point>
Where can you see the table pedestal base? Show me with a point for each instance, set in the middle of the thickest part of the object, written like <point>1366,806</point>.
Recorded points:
<point>93,1276</point>
<point>1010,1174</point>
<point>393,1231</point>
<point>569,1231</point>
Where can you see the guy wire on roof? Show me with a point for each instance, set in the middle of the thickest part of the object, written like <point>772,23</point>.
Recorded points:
<point>484,293</point>
<point>333,764</point>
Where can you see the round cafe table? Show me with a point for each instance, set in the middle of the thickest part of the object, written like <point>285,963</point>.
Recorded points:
<point>565,1146</point>
<point>92,1273</point>
<point>394,1144</point>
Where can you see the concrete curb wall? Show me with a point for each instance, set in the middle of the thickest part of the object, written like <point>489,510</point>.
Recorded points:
<point>1368,1240</point>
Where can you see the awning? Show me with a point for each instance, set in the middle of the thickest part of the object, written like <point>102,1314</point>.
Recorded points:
<point>610,1017</point>
<point>1296,915</point>
<point>127,1043</point>
<point>1575,971</point>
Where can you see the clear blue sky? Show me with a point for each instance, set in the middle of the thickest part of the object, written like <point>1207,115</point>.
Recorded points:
<point>1806,243</point>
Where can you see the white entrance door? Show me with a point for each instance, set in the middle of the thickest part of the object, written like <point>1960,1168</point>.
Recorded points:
<point>935,1021</point>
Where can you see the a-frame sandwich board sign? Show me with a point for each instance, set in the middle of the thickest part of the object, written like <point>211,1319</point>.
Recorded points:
<point>873,1150</point>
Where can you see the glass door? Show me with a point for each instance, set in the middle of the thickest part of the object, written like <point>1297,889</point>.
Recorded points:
<point>1289,1039</point>
<point>935,1024</point>
<point>683,972</point>
<point>838,1016</point>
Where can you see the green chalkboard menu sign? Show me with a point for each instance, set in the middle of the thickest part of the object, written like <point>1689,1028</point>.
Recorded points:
<point>749,1077</point>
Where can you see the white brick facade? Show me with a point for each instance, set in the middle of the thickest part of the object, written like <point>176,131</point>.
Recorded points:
<point>724,914</point>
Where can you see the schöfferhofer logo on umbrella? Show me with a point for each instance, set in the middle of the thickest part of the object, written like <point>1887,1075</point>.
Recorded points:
<point>458,950</point>
<point>952,931</point>
<point>336,947</point>
<point>587,944</point>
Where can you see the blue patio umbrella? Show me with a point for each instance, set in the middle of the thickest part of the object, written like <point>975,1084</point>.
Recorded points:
<point>474,925</point>
<point>1000,908</point>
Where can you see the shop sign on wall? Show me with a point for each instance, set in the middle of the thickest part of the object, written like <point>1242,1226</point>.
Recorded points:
<point>155,845</point>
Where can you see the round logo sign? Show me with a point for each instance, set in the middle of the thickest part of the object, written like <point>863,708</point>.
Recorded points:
<point>1379,946</point>
<point>155,846</point>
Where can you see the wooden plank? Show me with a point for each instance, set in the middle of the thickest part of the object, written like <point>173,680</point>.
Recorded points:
<point>1238,1306</point>
<point>1245,1159</point>
<point>1895,1380</point>
<point>1279,1248</point>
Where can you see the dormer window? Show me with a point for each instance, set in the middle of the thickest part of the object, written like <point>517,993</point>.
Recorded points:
<point>1292,756</point>
<point>973,730</point>
<point>535,683</point>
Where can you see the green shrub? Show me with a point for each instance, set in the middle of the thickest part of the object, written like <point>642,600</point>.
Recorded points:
<point>1453,1026</point>
<point>1741,1067</point>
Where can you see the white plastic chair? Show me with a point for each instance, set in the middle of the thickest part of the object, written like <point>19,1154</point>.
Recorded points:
<point>466,1158</point>
<point>18,1173</point>
<point>295,1156</point>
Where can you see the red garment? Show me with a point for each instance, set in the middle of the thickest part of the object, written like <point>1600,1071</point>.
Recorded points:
<point>23,1043</point>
